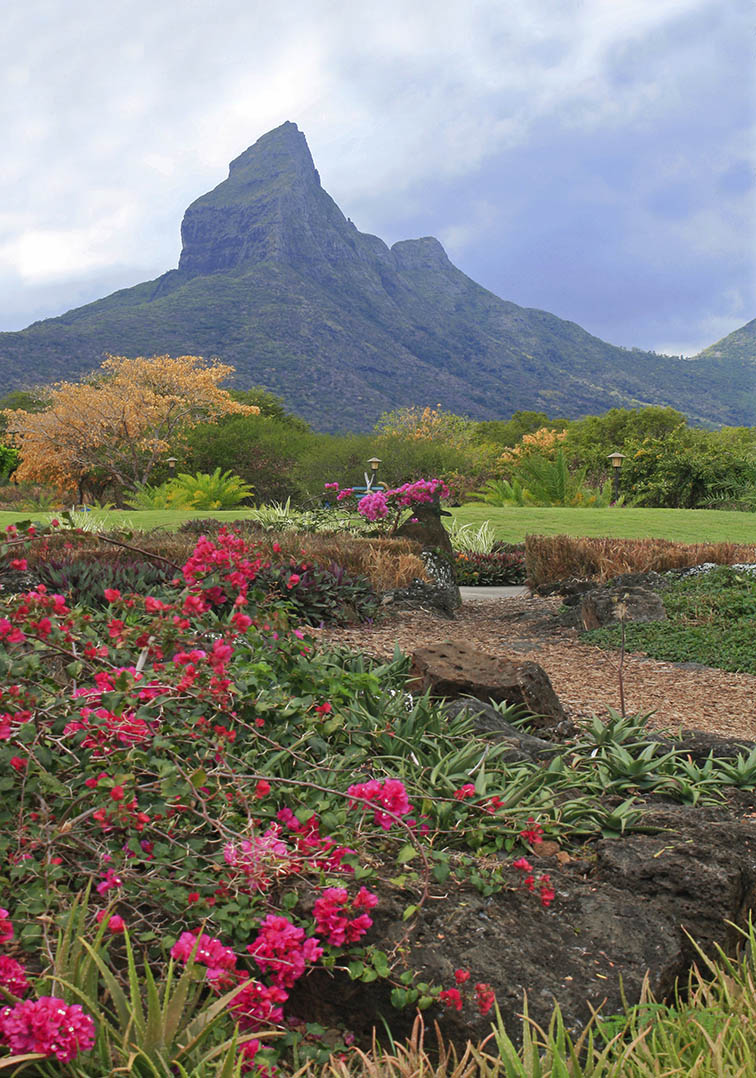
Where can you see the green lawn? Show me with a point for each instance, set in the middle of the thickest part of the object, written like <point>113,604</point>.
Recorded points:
<point>683,525</point>
<point>134,519</point>
<point>513,523</point>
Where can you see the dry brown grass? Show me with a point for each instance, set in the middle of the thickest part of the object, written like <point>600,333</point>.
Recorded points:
<point>410,1059</point>
<point>387,563</point>
<point>549,558</point>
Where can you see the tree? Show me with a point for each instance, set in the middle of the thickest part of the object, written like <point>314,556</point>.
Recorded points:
<point>508,432</point>
<point>262,449</point>
<point>110,430</point>
<point>270,406</point>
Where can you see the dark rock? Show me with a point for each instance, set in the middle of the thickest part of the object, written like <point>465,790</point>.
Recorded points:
<point>422,595</point>
<point>700,744</point>
<point>609,606</point>
<point>16,581</point>
<point>440,593</point>
<point>613,921</point>
<point>427,529</point>
<point>454,670</point>
<point>490,723</point>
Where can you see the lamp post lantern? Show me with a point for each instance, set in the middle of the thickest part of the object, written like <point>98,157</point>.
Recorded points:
<point>374,463</point>
<point>616,459</point>
<point>172,462</point>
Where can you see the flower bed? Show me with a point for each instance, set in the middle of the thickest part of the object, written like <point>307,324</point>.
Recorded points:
<point>199,807</point>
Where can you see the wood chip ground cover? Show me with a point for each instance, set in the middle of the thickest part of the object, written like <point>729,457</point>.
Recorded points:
<point>584,677</point>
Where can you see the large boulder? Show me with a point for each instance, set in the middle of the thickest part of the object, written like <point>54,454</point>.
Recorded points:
<point>609,606</point>
<point>453,669</point>
<point>628,910</point>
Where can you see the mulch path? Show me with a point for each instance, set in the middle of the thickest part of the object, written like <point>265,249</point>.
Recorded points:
<point>584,677</point>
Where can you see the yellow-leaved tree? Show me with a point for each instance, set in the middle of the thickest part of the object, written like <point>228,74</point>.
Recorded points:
<point>111,429</point>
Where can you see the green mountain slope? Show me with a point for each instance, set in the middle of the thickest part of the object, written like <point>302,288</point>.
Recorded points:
<point>276,281</point>
<point>737,347</point>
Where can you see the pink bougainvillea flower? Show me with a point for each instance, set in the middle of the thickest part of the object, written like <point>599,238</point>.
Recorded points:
<point>485,997</point>
<point>468,790</point>
<point>282,950</point>
<point>207,951</point>
<point>47,1025</point>
<point>390,795</point>
<point>452,998</point>
<point>13,976</point>
<point>333,915</point>
<point>532,834</point>
<point>6,928</point>
<point>116,923</point>
<point>546,891</point>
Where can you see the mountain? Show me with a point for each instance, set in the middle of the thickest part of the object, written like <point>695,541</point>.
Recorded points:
<point>276,281</point>
<point>738,346</point>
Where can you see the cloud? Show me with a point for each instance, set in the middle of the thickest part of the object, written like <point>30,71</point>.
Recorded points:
<point>557,147</point>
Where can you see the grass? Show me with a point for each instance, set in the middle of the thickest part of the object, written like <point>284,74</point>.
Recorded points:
<point>511,524</point>
<point>136,519</point>
<point>712,620</point>
<point>682,525</point>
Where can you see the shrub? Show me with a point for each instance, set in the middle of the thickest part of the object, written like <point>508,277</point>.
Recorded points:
<point>319,594</point>
<point>497,569</point>
<point>263,450</point>
<point>84,581</point>
<point>204,490</point>
<point>551,558</point>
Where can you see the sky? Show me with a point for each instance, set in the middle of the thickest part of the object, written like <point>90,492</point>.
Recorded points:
<point>592,158</point>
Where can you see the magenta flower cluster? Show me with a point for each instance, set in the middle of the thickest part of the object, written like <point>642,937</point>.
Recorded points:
<point>377,504</point>
<point>389,797</point>
<point>283,950</point>
<point>48,1025</point>
<point>340,921</point>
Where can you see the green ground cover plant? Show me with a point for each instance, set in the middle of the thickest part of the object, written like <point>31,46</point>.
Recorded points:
<point>712,620</point>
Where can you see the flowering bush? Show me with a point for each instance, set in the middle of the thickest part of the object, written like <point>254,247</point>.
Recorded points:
<point>208,774</point>
<point>48,1026</point>
<point>390,508</point>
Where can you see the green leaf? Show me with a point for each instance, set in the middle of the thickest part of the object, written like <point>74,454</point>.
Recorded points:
<point>407,853</point>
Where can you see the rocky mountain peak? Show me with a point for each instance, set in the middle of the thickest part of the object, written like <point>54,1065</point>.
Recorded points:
<point>271,197</point>
<point>282,154</point>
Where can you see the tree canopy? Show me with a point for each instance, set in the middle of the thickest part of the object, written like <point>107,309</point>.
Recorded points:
<point>112,428</point>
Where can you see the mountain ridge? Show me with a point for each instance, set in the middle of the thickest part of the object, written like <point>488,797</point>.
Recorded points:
<point>274,279</point>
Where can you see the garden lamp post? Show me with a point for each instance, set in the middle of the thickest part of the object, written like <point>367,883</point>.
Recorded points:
<point>616,459</point>
<point>374,462</point>
<point>172,462</point>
